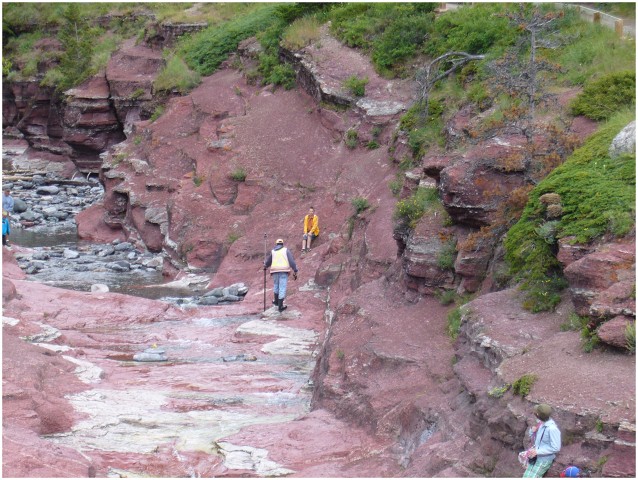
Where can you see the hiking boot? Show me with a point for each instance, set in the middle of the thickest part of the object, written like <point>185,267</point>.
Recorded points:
<point>276,300</point>
<point>282,307</point>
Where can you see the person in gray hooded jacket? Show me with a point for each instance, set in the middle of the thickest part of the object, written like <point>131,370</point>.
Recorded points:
<point>547,442</point>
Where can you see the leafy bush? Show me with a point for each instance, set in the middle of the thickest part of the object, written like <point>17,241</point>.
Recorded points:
<point>498,392</point>
<point>598,197</point>
<point>400,41</point>
<point>390,32</point>
<point>411,209</point>
<point>360,204</point>
<point>523,385</point>
<point>474,29</point>
<point>602,98</point>
<point>176,76</point>
<point>355,85</point>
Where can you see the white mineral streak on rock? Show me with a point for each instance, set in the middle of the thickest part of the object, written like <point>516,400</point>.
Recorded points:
<point>47,334</point>
<point>238,457</point>
<point>87,372</point>
<point>134,421</point>
<point>10,321</point>
<point>292,341</point>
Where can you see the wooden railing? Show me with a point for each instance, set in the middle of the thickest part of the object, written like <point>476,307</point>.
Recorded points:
<point>589,14</point>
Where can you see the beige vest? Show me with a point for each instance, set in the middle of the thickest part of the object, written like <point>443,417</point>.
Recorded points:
<point>280,261</point>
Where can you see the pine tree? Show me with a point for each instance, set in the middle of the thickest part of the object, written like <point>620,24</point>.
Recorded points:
<point>78,49</point>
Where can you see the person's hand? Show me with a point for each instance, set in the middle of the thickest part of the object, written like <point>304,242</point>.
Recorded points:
<point>531,453</point>
<point>294,275</point>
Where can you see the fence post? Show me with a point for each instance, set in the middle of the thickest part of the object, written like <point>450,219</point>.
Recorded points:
<point>596,17</point>
<point>619,27</point>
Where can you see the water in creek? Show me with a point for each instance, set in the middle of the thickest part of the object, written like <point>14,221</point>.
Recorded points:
<point>51,263</point>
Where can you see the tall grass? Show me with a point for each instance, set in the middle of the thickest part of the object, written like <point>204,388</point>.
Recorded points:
<point>594,51</point>
<point>301,33</point>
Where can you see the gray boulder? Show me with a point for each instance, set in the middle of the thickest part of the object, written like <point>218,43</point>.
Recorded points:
<point>29,216</point>
<point>624,142</point>
<point>19,205</point>
<point>47,190</point>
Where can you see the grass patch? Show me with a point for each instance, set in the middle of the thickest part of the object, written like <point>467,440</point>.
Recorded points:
<point>157,113</point>
<point>454,323</point>
<point>630,337</point>
<point>239,174</point>
<point>447,255</point>
<point>302,32</point>
<point>352,139</point>
<point>523,385</point>
<point>176,76</point>
<point>411,209</point>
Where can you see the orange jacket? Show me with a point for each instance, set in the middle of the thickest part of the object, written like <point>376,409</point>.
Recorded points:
<point>309,227</point>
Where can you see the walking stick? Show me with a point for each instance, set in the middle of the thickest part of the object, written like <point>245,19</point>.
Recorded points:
<point>265,272</point>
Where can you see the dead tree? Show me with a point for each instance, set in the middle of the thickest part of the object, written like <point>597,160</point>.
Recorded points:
<point>427,77</point>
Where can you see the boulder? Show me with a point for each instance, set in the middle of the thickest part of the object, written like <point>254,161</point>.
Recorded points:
<point>19,205</point>
<point>624,142</point>
<point>613,331</point>
<point>597,272</point>
<point>47,190</point>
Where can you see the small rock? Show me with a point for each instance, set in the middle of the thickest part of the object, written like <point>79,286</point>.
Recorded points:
<point>120,247</point>
<point>99,288</point>
<point>70,254</point>
<point>211,300</point>
<point>47,190</point>
<point>215,292</point>
<point>19,206</point>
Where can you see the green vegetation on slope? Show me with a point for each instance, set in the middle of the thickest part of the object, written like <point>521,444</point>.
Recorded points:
<point>597,195</point>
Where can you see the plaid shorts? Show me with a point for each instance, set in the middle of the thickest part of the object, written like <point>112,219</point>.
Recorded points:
<point>538,469</point>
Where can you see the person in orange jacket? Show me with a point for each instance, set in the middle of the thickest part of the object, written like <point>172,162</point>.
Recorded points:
<point>310,229</point>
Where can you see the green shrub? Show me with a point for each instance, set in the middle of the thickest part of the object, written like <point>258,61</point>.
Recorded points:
<point>446,297</point>
<point>204,51</point>
<point>157,113</point>
<point>498,392</point>
<point>395,186</point>
<point>401,40</point>
<point>447,255</point>
<point>355,85</point>
<point>474,29</point>
<point>602,98</point>
<point>360,204</point>
<point>284,75</point>
<point>176,76</point>
<point>598,197</point>
<point>352,139</point>
<point>239,174</point>
<point>411,209</point>
<point>523,385</point>
<point>372,145</point>
<point>589,337</point>
<point>574,323</point>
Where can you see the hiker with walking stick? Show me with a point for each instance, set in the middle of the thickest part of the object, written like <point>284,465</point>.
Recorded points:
<point>281,262</point>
